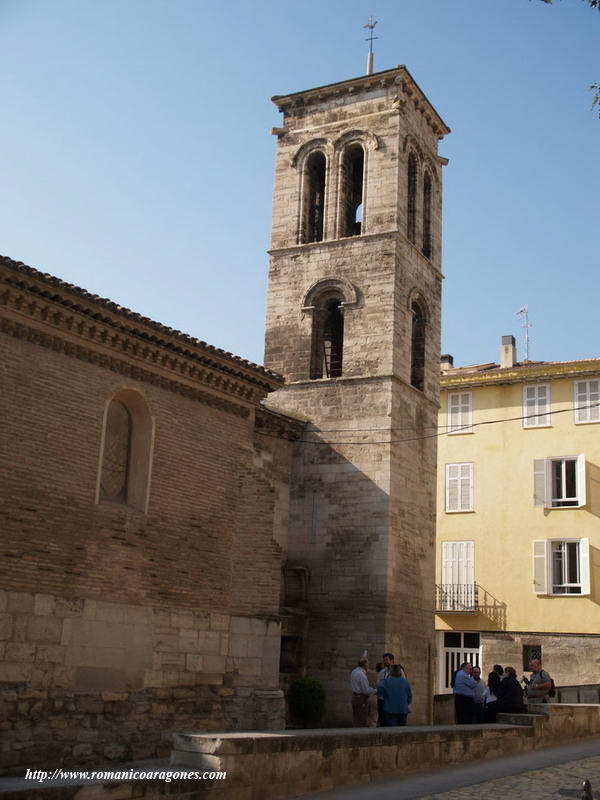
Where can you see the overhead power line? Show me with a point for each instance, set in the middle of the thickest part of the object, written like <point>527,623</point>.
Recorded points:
<point>430,435</point>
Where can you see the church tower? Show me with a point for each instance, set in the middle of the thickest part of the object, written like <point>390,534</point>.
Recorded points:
<point>353,324</point>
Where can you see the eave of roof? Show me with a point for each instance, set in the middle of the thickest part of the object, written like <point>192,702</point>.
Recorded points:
<point>483,374</point>
<point>229,361</point>
<point>317,92</point>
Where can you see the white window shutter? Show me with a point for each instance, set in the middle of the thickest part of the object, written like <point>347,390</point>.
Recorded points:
<point>594,400</point>
<point>580,399</point>
<point>447,562</point>
<point>453,412</point>
<point>543,405</point>
<point>460,417</point>
<point>471,489</point>
<point>586,396</point>
<point>584,565</point>
<point>528,406</point>
<point>452,481</point>
<point>540,568</point>
<point>539,482</point>
<point>466,411</point>
<point>581,498</point>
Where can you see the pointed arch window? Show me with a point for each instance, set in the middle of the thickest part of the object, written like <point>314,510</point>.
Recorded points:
<point>427,248</point>
<point>313,218</point>
<point>124,474</point>
<point>351,190</point>
<point>417,359</point>
<point>328,337</point>
<point>411,203</point>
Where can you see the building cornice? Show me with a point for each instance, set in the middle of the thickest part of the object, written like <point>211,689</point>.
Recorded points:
<point>522,374</point>
<point>278,424</point>
<point>30,309</point>
<point>32,289</point>
<point>57,344</point>
<point>330,244</point>
<point>399,77</point>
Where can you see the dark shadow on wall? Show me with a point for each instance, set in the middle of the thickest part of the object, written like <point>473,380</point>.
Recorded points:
<point>493,609</point>
<point>593,488</point>
<point>595,575</point>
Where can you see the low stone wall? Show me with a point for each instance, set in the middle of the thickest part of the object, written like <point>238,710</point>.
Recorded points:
<point>298,762</point>
<point>291,763</point>
<point>587,693</point>
<point>443,709</point>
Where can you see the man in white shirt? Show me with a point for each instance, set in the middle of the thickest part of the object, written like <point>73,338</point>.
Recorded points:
<point>361,690</point>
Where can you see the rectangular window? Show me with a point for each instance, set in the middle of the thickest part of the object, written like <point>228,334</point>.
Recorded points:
<point>565,568</point>
<point>460,412</point>
<point>586,401</point>
<point>531,651</point>
<point>559,482</point>
<point>459,487</point>
<point>561,566</point>
<point>536,406</point>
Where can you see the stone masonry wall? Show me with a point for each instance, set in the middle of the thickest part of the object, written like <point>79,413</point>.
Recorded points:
<point>338,531</point>
<point>83,680</point>
<point>572,660</point>
<point>363,492</point>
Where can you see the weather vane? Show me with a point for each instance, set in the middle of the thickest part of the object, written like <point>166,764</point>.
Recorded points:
<point>370,25</point>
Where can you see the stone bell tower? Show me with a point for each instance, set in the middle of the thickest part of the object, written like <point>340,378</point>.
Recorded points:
<point>353,324</point>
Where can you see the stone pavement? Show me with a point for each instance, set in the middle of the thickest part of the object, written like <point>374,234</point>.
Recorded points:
<point>551,774</point>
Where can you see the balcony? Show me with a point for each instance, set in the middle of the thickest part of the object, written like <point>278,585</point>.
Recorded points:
<point>457,598</point>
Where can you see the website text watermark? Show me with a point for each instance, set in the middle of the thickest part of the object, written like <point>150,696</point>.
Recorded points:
<point>58,774</point>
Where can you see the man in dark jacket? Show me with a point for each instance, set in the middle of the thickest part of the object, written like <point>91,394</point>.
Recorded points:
<point>510,693</point>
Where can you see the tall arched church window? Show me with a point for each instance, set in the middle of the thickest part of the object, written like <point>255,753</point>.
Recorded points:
<point>313,218</point>
<point>351,190</point>
<point>427,210</point>
<point>117,454</point>
<point>124,474</point>
<point>328,337</point>
<point>411,203</point>
<point>417,359</point>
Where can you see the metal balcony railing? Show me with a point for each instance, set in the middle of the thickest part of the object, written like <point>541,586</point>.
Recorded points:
<point>458,597</point>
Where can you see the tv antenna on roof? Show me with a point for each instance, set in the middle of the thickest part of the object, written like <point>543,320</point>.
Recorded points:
<point>524,313</point>
<point>370,25</point>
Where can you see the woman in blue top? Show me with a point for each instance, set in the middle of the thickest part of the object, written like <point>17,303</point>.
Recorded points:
<point>397,697</point>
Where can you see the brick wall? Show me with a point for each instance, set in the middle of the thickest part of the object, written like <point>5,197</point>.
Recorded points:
<point>118,626</point>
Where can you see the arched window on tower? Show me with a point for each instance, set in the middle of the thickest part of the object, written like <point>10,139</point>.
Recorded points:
<point>411,203</point>
<point>328,337</point>
<point>126,451</point>
<point>351,190</point>
<point>313,218</point>
<point>417,357</point>
<point>427,237</point>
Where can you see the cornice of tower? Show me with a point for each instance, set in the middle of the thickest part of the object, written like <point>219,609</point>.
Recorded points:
<point>399,77</point>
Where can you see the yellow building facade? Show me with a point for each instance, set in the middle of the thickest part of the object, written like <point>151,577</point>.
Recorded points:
<point>518,521</point>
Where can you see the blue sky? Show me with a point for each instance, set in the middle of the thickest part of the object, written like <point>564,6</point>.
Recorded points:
<point>136,160</point>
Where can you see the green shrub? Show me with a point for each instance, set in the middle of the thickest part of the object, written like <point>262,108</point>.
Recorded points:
<point>306,699</point>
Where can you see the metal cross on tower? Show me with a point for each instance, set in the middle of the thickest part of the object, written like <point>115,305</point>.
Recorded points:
<point>370,25</point>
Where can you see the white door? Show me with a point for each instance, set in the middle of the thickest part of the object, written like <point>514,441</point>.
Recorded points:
<point>455,647</point>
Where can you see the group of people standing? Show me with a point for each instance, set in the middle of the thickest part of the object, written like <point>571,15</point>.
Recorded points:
<point>478,701</point>
<point>389,685</point>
